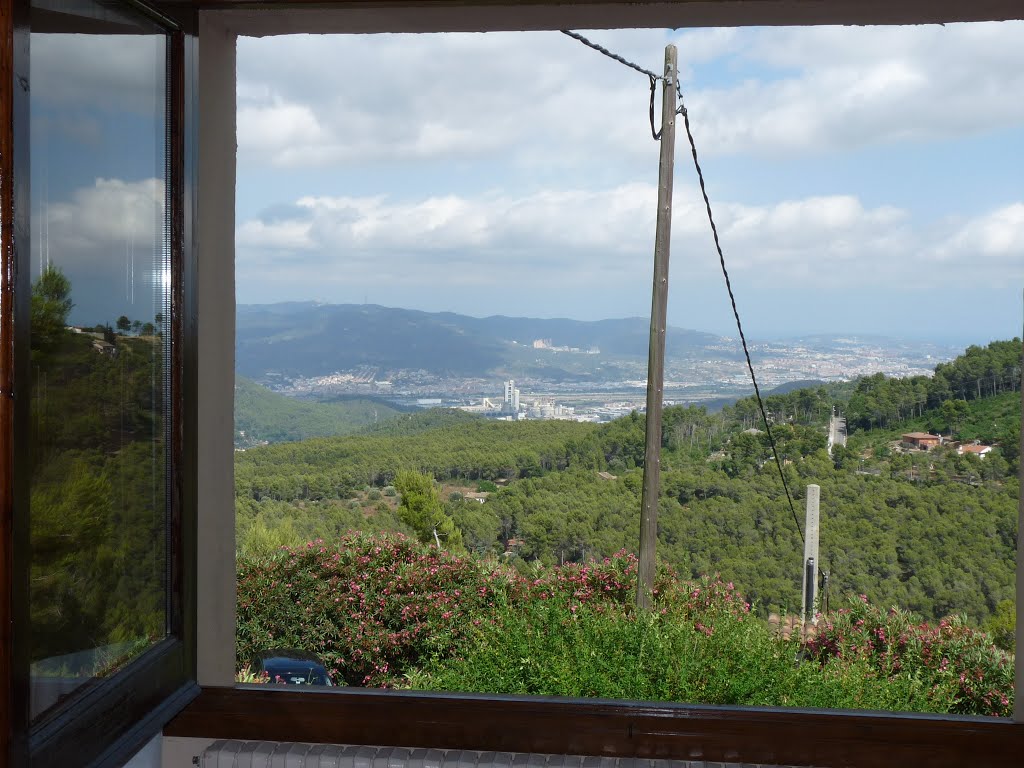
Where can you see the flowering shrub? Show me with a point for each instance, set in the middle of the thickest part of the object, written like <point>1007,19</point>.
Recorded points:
<point>963,671</point>
<point>385,610</point>
<point>611,585</point>
<point>368,606</point>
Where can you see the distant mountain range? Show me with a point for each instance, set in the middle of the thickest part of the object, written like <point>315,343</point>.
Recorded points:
<point>306,339</point>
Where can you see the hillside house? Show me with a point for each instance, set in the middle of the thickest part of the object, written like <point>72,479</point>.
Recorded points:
<point>921,441</point>
<point>974,449</point>
<point>104,347</point>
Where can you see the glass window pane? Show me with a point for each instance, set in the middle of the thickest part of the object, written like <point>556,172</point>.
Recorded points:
<point>100,343</point>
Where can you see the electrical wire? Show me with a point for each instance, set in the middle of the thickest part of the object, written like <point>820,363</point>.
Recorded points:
<point>718,247</point>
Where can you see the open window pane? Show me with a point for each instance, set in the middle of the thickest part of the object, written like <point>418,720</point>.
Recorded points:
<point>100,343</point>
<point>830,218</point>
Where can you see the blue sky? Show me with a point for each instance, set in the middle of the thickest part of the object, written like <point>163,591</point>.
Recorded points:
<point>865,180</point>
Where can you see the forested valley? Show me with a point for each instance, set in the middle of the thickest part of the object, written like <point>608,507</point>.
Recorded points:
<point>263,416</point>
<point>934,533</point>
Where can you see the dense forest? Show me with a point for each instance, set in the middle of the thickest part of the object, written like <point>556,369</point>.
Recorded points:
<point>931,532</point>
<point>979,373</point>
<point>98,485</point>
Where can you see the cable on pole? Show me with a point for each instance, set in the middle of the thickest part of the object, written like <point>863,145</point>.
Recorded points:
<point>655,134</point>
<point>735,312</point>
<point>610,55</point>
<point>681,110</point>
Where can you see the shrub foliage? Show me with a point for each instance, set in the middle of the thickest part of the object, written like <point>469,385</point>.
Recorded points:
<point>383,610</point>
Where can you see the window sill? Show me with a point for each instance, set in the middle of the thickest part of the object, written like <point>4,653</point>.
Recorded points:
<point>599,727</point>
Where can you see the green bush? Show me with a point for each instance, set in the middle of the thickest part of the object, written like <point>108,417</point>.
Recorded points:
<point>1002,625</point>
<point>384,610</point>
<point>554,648</point>
<point>961,670</point>
<point>698,646</point>
<point>371,607</point>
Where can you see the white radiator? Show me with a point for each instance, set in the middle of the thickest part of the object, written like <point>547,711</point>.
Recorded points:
<point>270,754</point>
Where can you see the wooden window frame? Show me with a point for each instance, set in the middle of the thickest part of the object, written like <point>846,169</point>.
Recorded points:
<point>517,723</point>
<point>520,724</point>
<point>108,720</point>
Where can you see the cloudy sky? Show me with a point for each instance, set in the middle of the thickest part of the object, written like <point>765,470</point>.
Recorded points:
<point>865,180</point>
<point>98,146</point>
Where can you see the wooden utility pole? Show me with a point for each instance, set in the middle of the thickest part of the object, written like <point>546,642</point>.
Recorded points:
<point>1018,701</point>
<point>656,349</point>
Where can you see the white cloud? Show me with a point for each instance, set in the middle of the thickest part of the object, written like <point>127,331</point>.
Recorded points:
<point>536,98</point>
<point>110,216</point>
<point>108,238</point>
<point>707,44</point>
<point>394,98</point>
<point>112,72</point>
<point>831,88</point>
<point>278,126</point>
<point>551,226</point>
<point>601,237</point>
<point>993,241</point>
<point>288,235</point>
<point>518,169</point>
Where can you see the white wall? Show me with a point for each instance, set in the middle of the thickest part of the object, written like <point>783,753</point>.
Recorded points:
<point>178,752</point>
<point>149,756</point>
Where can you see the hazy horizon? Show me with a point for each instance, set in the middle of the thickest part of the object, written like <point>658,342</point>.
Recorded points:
<point>751,337</point>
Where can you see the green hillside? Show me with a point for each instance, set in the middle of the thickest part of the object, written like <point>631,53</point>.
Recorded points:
<point>406,424</point>
<point>97,485</point>
<point>262,415</point>
<point>992,420</point>
<point>934,533</point>
<point>471,449</point>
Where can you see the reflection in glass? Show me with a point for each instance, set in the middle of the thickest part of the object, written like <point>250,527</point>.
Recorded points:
<point>100,343</point>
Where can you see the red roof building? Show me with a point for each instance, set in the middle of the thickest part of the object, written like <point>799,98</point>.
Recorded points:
<point>921,440</point>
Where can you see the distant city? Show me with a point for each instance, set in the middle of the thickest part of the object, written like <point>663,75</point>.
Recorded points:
<point>618,386</point>
<point>512,407</point>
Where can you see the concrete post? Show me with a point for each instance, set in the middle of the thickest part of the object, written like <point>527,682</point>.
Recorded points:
<point>809,593</point>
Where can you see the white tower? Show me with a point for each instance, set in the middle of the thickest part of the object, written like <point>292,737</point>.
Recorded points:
<point>511,396</point>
